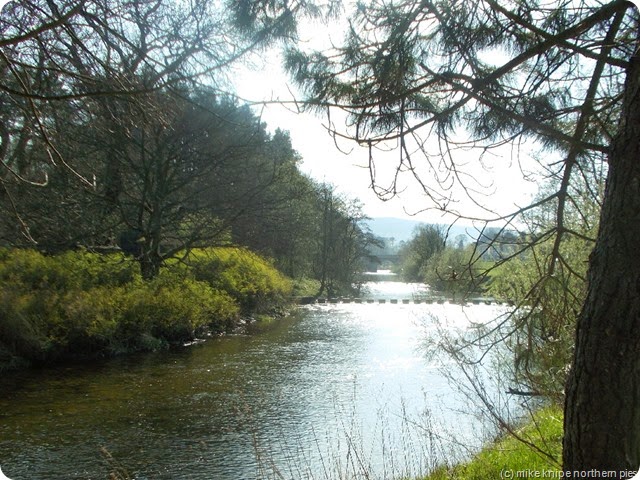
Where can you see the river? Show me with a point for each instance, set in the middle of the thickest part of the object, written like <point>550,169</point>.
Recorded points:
<point>340,391</point>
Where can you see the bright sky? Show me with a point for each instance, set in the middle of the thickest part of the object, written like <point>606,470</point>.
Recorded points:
<point>346,165</point>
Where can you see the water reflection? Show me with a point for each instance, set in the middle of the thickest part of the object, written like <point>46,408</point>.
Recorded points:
<point>330,391</point>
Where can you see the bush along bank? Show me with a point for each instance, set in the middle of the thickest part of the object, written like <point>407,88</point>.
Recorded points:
<point>86,305</point>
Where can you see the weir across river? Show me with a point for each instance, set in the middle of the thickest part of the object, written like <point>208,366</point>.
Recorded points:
<point>405,301</point>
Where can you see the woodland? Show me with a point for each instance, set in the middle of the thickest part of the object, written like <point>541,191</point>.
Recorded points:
<point>122,144</point>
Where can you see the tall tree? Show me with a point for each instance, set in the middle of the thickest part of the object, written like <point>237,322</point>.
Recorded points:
<point>280,221</point>
<point>173,161</point>
<point>342,242</point>
<point>426,241</point>
<point>96,58</point>
<point>439,77</point>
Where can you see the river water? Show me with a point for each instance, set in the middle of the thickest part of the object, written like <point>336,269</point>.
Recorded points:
<point>340,391</point>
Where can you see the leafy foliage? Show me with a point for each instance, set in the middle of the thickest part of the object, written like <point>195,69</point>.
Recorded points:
<point>427,241</point>
<point>246,276</point>
<point>87,305</point>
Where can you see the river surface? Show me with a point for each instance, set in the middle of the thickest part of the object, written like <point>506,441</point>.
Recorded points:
<point>340,391</point>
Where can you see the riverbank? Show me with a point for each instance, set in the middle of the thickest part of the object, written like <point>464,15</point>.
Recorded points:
<point>537,453</point>
<point>81,305</point>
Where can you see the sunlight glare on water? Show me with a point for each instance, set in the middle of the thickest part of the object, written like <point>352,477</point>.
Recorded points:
<point>330,392</point>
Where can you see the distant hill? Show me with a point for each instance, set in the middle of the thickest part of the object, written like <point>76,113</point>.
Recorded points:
<point>401,229</point>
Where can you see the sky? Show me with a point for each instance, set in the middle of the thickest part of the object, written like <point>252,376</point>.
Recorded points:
<point>345,164</point>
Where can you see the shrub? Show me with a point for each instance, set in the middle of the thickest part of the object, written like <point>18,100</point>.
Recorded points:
<point>117,319</point>
<point>84,304</point>
<point>305,287</point>
<point>75,270</point>
<point>92,319</point>
<point>247,277</point>
<point>91,269</point>
<point>178,311</point>
<point>23,323</point>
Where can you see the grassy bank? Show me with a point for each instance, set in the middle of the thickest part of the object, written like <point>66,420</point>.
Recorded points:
<point>508,457</point>
<point>83,305</point>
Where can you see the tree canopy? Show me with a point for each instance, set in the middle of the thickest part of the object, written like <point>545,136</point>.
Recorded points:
<point>118,129</point>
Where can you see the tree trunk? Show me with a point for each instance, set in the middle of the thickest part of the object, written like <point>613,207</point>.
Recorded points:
<point>150,263</point>
<point>602,406</point>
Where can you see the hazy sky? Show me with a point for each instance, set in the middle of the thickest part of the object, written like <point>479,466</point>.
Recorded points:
<point>346,165</point>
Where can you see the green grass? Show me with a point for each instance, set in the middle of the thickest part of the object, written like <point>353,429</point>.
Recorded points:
<point>512,458</point>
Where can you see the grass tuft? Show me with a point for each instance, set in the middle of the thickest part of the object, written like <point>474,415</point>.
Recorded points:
<point>511,458</point>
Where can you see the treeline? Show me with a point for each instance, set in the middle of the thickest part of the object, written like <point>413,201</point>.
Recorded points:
<point>543,279</point>
<point>451,267</point>
<point>181,170</point>
<point>464,265</point>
